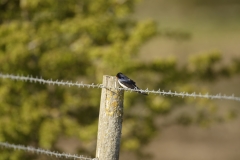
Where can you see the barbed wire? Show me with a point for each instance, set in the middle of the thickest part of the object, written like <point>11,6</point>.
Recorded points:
<point>50,82</point>
<point>82,85</point>
<point>43,151</point>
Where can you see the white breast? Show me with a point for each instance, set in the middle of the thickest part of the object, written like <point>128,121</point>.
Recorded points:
<point>122,85</point>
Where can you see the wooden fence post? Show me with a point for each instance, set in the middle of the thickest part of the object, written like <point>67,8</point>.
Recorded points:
<point>110,120</point>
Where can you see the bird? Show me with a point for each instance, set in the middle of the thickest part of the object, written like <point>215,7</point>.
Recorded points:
<point>126,82</point>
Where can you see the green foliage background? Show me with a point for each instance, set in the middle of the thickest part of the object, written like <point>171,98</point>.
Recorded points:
<point>82,41</point>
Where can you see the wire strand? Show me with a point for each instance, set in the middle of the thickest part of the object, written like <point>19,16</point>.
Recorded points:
<point>43,151</point>
<point>83,85</point>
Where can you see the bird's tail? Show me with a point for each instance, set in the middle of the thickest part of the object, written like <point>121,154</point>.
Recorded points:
<point>144,93</point>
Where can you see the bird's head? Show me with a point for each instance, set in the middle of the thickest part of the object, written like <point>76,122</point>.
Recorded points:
<point>119,75</point>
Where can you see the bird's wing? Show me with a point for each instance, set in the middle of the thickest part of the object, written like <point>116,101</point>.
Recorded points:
<point>128,79</point>
<point>131,81</point>
<point>129,84</point>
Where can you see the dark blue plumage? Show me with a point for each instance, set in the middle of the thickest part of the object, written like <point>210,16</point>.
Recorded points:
<point>126,82</point>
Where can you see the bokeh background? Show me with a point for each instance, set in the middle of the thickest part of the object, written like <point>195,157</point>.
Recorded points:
<point>187,46</point>
<point>210,26</point>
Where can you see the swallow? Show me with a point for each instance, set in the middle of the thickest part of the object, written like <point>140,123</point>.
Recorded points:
<point>126,82</point>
